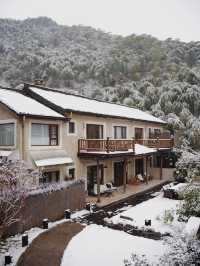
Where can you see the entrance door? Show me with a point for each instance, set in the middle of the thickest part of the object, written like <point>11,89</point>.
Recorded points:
<point>139,167</point>
<point>118,173</point>
<point>94,131</point>
<point>92,177</point>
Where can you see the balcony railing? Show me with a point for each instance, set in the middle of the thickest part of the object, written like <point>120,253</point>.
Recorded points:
<point>112,145</point>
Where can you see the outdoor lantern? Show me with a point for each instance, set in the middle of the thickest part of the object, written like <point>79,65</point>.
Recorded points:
<point>8,259</point>
<point>147,222</point>
<point>45,223</point>
<point>87,206</point>
<point>67,214</point>
<point>24,240</point>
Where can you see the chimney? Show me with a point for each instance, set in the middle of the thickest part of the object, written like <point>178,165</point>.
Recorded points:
<point>39,82</point>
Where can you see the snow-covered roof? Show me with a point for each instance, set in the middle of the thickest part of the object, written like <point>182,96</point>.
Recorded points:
<point>4,153</point>
<point>141,149</point>
<point>24,105</point>
<point>81,104</point>
<point>53,161</point>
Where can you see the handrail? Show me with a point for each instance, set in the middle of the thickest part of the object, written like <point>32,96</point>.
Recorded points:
<point>112,145</point>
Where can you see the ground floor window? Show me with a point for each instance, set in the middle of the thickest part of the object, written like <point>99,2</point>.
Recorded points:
<point>168,161</point>
<point>50,177</point>
<point>92,176</point>
<point>72,173</point>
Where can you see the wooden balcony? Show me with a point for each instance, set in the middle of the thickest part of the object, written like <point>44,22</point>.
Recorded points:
<point>116,145</point>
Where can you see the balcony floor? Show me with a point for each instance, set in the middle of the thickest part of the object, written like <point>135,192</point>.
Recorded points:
<point>131,190</point>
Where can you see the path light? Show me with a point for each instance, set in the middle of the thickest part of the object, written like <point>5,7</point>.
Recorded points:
<point>24,240</point>
<point>94,207</point>
<point>67,214</point>
<point>147,222</point>
<point>87,206</point>
<point>8,259</point>
<point>45,223</point>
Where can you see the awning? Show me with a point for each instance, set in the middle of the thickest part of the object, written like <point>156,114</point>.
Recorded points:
<point>53,161</point>
<point>50,158</point>
<point>4,153</point>
<point>141,149</point>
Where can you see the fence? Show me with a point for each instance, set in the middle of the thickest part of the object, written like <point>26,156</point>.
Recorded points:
<point>49,204</point>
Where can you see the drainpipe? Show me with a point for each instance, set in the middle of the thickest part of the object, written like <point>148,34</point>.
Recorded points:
<point>23,137</point>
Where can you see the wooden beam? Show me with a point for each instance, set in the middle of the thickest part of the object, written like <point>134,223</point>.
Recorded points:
<point>146,170</point>
<point>124,174</point>
<point>98,182</point>
<point>161,167</point>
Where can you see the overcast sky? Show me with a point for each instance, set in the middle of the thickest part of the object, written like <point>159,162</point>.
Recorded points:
<point>160,18</point>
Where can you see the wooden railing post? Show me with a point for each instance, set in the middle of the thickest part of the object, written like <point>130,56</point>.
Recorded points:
<point>133,144</point>
<point>124,174</point>
<point>107,145</point>
<point>98,182</point>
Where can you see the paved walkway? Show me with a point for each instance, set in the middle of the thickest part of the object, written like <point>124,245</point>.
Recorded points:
<point>47,249</point>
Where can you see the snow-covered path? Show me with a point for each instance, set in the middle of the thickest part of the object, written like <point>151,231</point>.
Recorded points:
<point>101,246</point>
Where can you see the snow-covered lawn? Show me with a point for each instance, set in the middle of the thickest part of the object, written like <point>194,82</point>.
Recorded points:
<point>101,246</point>
<point>153,209</point>
<point>13,243</point>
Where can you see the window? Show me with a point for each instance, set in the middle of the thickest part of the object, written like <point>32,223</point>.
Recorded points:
<point>167,161</point>
<point>154,133</point>
<point>119,132</point>
<point>138,133</point>
<point>71,127</point>
<point>44,135</point>
<point>94,131</point>
<point>72,173</point>
<point>7,134</point>
<point>50,177</point>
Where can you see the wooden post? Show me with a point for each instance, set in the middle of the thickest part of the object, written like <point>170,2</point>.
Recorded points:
<point>23,137</point>
<point>146,170</point>
<point>98,182</point>
<point>107,145</point>
<point>161,166</point>
<point>124,175</point>
<point>133,144</point>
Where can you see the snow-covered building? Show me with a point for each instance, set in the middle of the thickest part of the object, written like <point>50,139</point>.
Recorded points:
<point>32,132</point>
<point>82,137</point>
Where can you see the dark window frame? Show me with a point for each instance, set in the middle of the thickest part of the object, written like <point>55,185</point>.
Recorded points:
<point>73,131</point>
<point>48,178</point>
<point>72,175</point>
<point>138,131</point>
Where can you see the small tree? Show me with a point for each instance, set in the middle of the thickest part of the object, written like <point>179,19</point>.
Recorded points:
<point>14,180</point>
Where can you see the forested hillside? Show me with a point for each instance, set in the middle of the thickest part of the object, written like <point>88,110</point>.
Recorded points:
<point>162,77</point>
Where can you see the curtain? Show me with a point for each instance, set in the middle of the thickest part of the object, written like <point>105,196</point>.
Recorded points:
<point>39,134</point>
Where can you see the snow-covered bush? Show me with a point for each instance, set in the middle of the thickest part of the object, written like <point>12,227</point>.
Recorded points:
<point>182,252</point>
<point>190,206</point>
<point>14,180</point>
<point>188,165</point>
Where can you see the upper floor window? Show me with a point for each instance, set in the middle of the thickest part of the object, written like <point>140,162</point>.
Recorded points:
<point>138,133</point>
<point>7,134</point>
<point>71,127</point>
<point>119,132</point>
<point>44,135</point>
<point>154,133</point>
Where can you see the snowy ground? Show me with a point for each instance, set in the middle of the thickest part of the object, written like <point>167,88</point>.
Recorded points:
<point>153,209</point>
<point>101,246</point>
<point>13,246</point>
